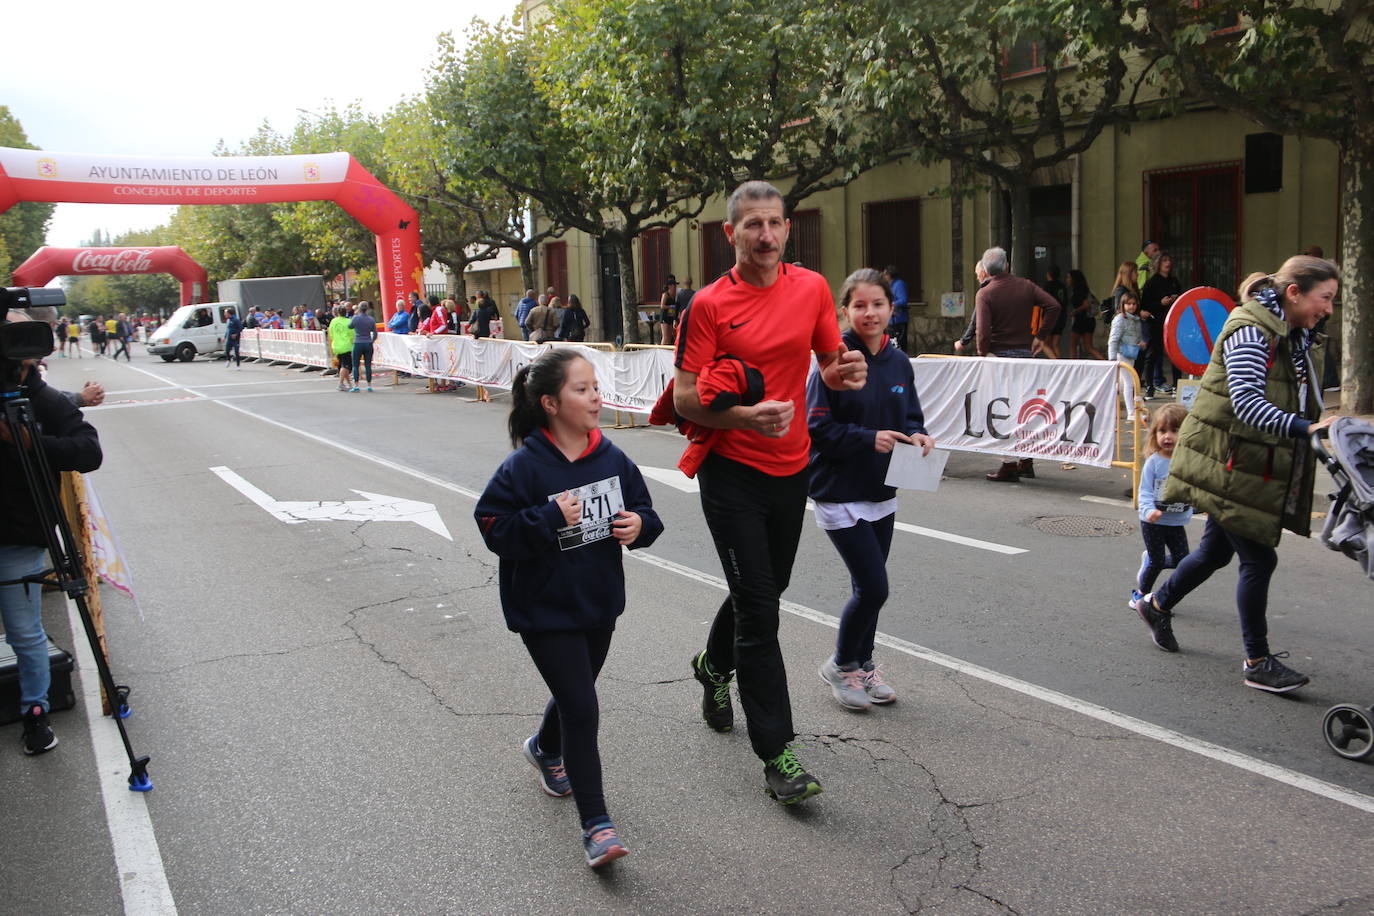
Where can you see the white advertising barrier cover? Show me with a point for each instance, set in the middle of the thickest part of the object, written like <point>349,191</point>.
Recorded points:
<point>1021,408</point>
<point>630,381</point>
<point>304,347</point>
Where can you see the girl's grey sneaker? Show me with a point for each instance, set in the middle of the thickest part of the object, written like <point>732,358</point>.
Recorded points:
<point>553,777</point>
<point>1161,623</point>
<point>602,844</point>
<point>847,684</point>
<point>879,692</point>
<point>1273,675</point>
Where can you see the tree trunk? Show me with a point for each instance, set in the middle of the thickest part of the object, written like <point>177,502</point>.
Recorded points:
<point>629,290</point>
<point>1022,263</point>
<point>526,266</point>
<point>956,228</point>
<point>1357,275</point>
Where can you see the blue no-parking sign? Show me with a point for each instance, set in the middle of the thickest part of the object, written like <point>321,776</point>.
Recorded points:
<point>1192,325</point>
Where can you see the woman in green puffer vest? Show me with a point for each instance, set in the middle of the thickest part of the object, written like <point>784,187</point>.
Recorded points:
<point>1243,455</point>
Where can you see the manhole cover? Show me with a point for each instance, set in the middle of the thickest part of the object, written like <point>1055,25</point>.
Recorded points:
<point>1081,526</point>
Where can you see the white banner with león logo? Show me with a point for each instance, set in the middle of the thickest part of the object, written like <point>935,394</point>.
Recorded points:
<point>1021,408</point>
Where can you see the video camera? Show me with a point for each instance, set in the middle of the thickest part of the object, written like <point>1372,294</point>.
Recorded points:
<point>21,340</point>
<point>26,339</point>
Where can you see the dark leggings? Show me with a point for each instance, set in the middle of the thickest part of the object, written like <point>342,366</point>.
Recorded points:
<point>569,662</point>
<point>1257,563</point>
<point>1165,547</point>
<point>362,355</point>
<point>864,551</point>
<point>755,521</point>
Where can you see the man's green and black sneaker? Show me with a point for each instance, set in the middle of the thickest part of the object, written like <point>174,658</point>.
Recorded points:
<point>786,781</point>
<point>715,703</point>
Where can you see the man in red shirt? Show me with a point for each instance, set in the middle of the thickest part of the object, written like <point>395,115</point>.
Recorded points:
<point>754,482</point>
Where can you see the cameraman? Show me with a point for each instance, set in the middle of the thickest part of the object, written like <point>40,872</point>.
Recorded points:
<point>70,444</point>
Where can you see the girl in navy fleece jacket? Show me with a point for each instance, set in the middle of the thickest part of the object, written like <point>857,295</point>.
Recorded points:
<point>852,437</point>
<point>557,512</point>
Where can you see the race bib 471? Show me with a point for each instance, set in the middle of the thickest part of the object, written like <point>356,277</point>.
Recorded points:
<point>601,502</point>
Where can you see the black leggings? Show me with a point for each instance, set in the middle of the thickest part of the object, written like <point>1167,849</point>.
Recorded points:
<point>755,521</point>
<point>1257,564</point>
<point>1165,548</point>
<point>569,662</point>
<point>864,550</point>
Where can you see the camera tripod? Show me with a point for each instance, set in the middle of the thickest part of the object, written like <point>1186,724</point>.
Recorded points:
<point>67,569</point>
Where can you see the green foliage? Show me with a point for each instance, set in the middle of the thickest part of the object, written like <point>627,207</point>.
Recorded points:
<point>24,226</point>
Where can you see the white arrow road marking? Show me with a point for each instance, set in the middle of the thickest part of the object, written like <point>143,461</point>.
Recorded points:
<point>676,479</point>
<point>376,507</point>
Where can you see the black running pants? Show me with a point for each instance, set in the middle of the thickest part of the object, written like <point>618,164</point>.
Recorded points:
<point>755,521</point>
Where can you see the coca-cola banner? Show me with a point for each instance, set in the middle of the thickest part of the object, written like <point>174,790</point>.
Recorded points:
<point>43,175</point>
<point>47,263</point>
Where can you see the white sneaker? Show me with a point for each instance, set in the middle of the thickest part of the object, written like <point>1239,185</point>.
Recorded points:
<point>879,691</point>
<point>847,686</point>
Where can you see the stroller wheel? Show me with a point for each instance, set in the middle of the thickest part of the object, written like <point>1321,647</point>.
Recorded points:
<point>1349,731</point>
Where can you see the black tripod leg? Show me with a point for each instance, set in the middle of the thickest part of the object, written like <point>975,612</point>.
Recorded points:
<point>67,565</point>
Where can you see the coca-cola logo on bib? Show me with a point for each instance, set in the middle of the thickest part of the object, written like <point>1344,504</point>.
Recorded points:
<point>126,261</point>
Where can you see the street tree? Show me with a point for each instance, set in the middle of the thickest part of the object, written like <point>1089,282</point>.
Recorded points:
<point>24,226</point>
<point>532,114</point>
<point>945,70</point>
<point>1299,69</point>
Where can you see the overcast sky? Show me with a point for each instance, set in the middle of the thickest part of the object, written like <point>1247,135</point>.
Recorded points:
<point>158,78</point>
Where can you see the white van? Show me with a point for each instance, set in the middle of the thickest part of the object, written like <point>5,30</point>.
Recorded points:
<point>192,329</point>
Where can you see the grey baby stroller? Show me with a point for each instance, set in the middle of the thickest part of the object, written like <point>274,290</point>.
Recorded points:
<point>1347,727</point>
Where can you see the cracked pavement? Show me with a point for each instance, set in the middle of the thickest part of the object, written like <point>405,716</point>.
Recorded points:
<point>334,710</point>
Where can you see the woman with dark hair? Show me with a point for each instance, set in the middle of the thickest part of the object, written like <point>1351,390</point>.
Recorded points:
<point>1243,456</point>
<point>1156,296</point>
<point>1083,308</point>
<point>574,323</point>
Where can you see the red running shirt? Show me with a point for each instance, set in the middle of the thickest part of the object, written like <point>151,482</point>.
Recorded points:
<point>774,329</point>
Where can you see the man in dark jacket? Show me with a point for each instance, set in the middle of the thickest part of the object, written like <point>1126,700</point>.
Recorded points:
<point>71,444</point>
<point>1003,311</point>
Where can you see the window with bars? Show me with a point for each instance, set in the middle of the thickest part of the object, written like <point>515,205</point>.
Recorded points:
<point>892,236</point>
<point>1195,217</point>
<point>655,263</point>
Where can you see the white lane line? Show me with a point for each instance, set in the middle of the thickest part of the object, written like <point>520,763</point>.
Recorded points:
<point>285,381</point>
<point>142,877</point>
<point>679,481</point>
<point>1198,746</point>
<point>1108,501</point>
<point>1120,720</point>
<point>959,539</point>
<point>156,402</point>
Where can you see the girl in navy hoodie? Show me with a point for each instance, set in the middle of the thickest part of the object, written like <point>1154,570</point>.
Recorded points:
<point>557,512</point>
<point>852,437</point>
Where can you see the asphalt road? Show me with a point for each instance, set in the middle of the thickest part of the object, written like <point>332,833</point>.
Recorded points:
<point>334,707</point>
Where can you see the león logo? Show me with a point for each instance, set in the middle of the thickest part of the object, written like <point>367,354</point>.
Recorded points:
<point>1037,407</point>
<point>312,172</point>
<point>47,168</point>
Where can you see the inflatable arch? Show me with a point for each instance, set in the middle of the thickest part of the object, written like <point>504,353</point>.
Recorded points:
<point>89,178</point>
<point>47,263</point>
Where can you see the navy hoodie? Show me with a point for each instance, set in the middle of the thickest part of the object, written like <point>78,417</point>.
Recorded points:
<point>555,577</point>
<point>844,425</point>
